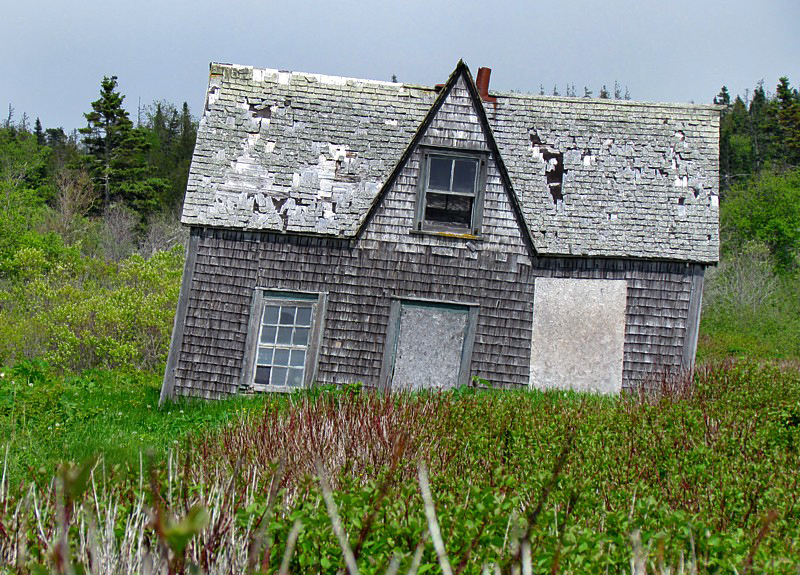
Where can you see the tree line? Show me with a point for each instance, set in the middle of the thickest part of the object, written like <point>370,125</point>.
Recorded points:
<point>143,167</point>
<point>760,171</point>
<point>752,297</point>
<point>758,131</point>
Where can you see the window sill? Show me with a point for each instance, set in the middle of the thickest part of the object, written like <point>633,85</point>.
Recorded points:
<point>444,234</point>
<point>261,388</point>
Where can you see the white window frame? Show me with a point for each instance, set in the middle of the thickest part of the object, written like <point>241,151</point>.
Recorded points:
<point>263,297</point>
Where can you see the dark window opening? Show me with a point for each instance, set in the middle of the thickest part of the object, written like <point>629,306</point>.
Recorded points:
<point>445,209</point>
<point>450,193</point>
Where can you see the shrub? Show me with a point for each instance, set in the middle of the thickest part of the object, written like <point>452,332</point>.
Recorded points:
<point>83,313</point>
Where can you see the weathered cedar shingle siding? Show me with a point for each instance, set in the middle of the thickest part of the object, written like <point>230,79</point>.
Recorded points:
<point>656,310</point>
<point>362,282</point>
<point>221,295</point>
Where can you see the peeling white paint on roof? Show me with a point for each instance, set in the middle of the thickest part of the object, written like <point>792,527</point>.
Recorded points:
<point>323,146</point>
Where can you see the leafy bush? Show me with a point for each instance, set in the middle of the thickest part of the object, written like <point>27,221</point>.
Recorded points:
<point>82,313</point>
<point>767,209</point>
<point>749,310</point>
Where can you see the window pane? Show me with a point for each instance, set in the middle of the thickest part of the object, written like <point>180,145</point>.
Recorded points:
<point>270,314</point>
<point>300,336</point>
<point>439,173</point>
<point>298,357</point>
<point>285,335</point>
<point>262,375</point>
<point>287,315</point>
<point>455,211</point>
<point>268,334</point>
<point>303,316</point>
<point>281,357</point>
<point>264,356</point>
<point>464,176</point>
<point>295,377</point>
<point>279,375</point>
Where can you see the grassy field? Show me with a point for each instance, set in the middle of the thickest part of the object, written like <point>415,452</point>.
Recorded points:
<point>48,419</point>
<point>706,476</point>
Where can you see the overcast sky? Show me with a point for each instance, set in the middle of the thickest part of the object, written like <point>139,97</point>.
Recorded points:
<point>54,53</point>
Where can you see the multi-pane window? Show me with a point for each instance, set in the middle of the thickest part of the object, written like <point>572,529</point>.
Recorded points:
<point>450,195</point>
<point>283,343</point>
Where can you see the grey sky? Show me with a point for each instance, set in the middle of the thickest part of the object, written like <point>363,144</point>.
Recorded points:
<point>55,53</point>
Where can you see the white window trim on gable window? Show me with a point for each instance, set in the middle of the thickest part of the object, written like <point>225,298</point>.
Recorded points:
<point>423,223</point>
<point>265,337</point>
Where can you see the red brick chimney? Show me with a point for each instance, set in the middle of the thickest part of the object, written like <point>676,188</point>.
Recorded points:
<point>482,81</point>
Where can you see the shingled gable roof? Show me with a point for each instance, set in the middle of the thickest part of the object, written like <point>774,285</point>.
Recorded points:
<point>290,152</point>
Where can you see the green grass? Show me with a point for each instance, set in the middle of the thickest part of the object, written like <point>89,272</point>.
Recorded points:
<point>46,419</point>
<point>697,470</point>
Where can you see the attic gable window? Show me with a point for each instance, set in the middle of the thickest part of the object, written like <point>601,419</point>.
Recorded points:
<point>450,194</point>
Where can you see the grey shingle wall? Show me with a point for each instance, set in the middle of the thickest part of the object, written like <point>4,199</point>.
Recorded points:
<point>656,310</point>
<point>303,153</point>
<point>220,299</point>
<point>361,282</point>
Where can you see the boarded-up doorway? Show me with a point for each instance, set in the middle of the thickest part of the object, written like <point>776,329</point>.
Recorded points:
<point>428,345</point>
<point>578,334</point>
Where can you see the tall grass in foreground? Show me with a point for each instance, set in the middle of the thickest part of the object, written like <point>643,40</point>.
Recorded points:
<point>702,477</point>
<point>90,538</point>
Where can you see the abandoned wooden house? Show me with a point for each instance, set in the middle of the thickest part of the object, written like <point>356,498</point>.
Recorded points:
<point>406,237</point>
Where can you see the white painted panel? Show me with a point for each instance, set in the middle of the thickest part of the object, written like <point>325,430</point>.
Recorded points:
<point>429,347</point>
<point>578,334</point>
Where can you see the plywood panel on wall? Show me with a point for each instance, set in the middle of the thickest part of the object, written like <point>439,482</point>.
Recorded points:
<point>578,334</point>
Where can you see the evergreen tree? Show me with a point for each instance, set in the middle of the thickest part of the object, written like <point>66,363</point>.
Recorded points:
<point>38,132</point>
<point>787,117</point>
<point>757,125</point>
<point>723,98</point>
<point>108,128</point>
<point>8,124</point>
<point>116,152</point>
<point>604,93</point>
<point>171,135</point>
<point>188,134</point>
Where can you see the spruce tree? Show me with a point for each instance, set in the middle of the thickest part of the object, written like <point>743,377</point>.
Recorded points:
<point>723,98</point>
<point>787,116</point>
<point>116,152</point>
<point>108,126</point>
<point>38,132</point>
